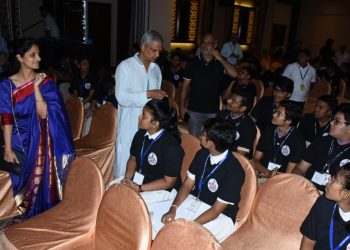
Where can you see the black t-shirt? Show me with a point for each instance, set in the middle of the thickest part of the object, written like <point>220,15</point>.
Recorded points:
<point>83,86</point>
<point>206,79</point>
<point>310,128</point>
<point>320,152</point>
<point>317,224</point>
<point>164,157</point>
<point>175,76</point>
<point>250,88</point>
<point>288,148</point>
<point>224,184</point>
<point>246,131</point>
<point>263,111</point>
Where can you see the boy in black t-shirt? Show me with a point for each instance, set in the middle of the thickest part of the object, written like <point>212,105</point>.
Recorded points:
<point>317,124</point>
<point>211,192</point>
<point>238,107</point>
<point>281,146</point>
<point>243,82</point>
<point>327,154</point>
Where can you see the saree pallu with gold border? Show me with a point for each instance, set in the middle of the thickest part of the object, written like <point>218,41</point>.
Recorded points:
<point>47,144</point>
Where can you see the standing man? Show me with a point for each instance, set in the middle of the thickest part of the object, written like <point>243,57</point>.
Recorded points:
<point>205,73</point>
<point>138,79</point>
<point>50,25</point>
<point>303,75</point>
<point>232,50</point>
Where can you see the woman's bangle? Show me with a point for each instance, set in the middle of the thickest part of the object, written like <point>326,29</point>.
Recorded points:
<point>40,100</point>
<point>140,188</point>
<point>173,206</point>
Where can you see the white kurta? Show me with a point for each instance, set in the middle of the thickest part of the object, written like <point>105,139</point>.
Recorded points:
<point>132,82</point>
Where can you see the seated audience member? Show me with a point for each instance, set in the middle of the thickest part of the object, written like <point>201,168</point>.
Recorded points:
<point>327,226</point>
<point>238,107</point>
<point>211,191</point>
<point>155,154</point>
<point>317,124</point>
<point>280,147</point>
<point>328,153</point>
<point>242,83</point>
<point>266,106</point>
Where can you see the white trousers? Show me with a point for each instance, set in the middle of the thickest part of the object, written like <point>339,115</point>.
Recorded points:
<point>221,227</point>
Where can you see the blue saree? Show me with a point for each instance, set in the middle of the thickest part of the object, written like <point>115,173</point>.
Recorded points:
<point>47,144</point>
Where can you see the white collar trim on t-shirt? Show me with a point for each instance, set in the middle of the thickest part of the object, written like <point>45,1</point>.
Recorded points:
<point>345,215</point>
<point>215,159</point>
<point>154,135</point>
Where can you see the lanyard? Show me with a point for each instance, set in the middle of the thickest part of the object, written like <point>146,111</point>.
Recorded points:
<point>274,142</point>
<point>303,76</point>
<point>201,181</point>
<point>331,233</point>
<point>326,127</point>
<point>332,159</point>
<point>143,154</point>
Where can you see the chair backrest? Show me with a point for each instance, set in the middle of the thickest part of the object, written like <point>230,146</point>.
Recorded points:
<point>310,105</point>
<point>123,221</point>
<point>169,88</point>
<point>259,89</point>
<point>342,100</point>
<point>256,140</point>
<point>75,112</point>
<point>279,209</point>
<point>7,202</point>
<point>321,87</point>
<point>342,88</point>
<point>83,172</point>
<point>190,145</point>
<point>103,127</point>
<point>173,104</point>
<point>269,90</point>
<point>248,190</point>
<point>182,234</point>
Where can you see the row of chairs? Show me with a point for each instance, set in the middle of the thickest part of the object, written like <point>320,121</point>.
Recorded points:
<point>90,218</point>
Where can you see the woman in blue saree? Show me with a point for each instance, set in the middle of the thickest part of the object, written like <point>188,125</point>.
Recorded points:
<point>35,122</point>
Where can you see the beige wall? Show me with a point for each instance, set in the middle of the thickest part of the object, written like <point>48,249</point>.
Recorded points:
<point>160,19</point>
<point>331,19</point>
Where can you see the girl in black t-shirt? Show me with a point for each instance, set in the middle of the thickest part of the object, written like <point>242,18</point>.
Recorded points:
<point>155,154</point>
<point>327,225</point>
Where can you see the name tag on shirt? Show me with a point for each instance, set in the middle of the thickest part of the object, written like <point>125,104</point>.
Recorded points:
<point>320,179</point>
<point>273,166</point>
<point>138,178</point>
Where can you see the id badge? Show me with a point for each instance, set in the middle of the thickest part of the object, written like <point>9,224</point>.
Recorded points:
<point>138,178</point>
<point>320,179</point>
<point>302,87</point>
<point>273,166</point>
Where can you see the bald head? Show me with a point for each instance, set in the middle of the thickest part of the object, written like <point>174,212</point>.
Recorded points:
<point>209,44</point>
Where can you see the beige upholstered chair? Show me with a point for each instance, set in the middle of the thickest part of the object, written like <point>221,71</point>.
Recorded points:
<point>248,190</point>
<point>99,143</point>
<point>190,145</point>
<point>169,88</point>
<point>70,222</point>
<point>257,137</point>
<point>182,234</point>
<point>123,221</point>
<point>259,89</point>
<point>173,104</point>
<point>279,209</point>
<point>342,88</point>
<point>75,112</point>
<point>310,105</point>
<point>269,90</point>
<point>342,100</point>
<point>321,87</point>
<point>8,207</point>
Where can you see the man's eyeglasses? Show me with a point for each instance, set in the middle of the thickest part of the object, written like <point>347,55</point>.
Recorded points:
<point>336,121</point>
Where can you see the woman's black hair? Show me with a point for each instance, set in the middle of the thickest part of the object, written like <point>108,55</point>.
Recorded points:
<point>166,116</point>
<point>346,170</point>
<point>20,47</point>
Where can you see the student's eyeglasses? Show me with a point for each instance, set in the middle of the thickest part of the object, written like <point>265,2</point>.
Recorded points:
<point>278,113</point>
<point>336,121</point>
<point>334,179</point>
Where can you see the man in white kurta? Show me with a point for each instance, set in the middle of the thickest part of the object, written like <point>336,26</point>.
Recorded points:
<point>138,79</point>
